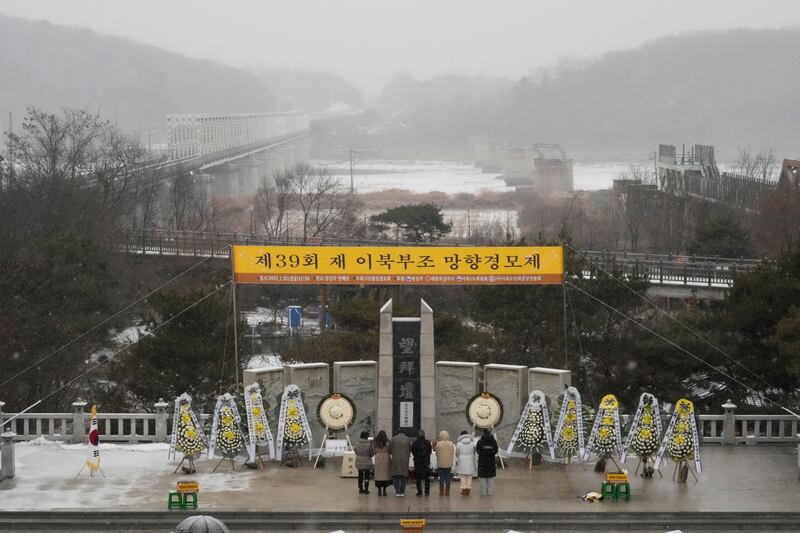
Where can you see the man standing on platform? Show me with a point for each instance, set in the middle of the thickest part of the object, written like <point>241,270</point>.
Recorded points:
<point>401,451</point>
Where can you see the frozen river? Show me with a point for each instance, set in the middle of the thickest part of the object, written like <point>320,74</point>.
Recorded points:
<point>451,177</point>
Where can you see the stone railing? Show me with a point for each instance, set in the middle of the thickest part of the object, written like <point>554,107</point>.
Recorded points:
<point>727,428</point>
<point>113,427</point>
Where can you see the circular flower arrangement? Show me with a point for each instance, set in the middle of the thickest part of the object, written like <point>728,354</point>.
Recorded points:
<point>645,439</point>
<point>532,434</point>
<point>190,441</point>
<point>680,447</point>
<point>567,439</point>
<point>484,410</point>
<point>229,436</point>
<point>294,434</point>
<point>605,440</point>
<point>681,444</point>
<point>259,420</point>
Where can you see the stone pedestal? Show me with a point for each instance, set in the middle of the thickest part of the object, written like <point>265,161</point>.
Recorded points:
<point>510,384</point>
<point>272,384</point>
<point>161,420</point>
<point>456,383</point>
<point>7,460</point>
<point>314,381</point>
<point>551,381</point>
<point>385,372</point>
<point>78,422</point>
<point>359,381</point>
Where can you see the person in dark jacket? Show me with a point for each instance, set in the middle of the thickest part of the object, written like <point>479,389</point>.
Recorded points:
<point>421,450</point>
<point>364,452</point>
<point>486,450</point>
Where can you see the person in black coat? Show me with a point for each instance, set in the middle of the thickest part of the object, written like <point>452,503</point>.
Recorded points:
<point>487,470</point>
<point>421,450</point>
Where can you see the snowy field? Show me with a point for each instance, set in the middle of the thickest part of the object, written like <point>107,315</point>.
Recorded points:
<point>450,176</point>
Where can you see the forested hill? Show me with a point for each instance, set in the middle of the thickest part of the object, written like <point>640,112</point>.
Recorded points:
<point>727,88</point>
<point>51,67</point>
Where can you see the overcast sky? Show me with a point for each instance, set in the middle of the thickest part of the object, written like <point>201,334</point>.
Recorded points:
<point>368,41</point>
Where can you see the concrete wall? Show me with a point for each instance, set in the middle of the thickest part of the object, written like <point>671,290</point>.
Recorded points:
<point>359,381</point>
<point>551,381</point>
<point>456,383</point>
<point>510,384</point>
<point>452,384</point>
<point>314,381</point>
<point>272,384</point>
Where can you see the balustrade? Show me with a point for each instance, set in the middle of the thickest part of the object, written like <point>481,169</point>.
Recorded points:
<point>727,428</point>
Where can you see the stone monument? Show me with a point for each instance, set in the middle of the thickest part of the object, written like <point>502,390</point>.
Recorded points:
<point>406,389</point>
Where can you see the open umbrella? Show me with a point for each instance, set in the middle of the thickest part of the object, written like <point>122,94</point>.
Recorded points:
<point>202,524</point>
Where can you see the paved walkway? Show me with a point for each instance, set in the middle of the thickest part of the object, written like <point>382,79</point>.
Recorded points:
<point>739,478</point>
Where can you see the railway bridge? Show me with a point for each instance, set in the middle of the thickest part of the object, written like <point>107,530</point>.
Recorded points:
<point>230,154</point>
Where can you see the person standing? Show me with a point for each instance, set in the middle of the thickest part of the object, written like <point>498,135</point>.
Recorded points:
<point>445,458</point>
<point>364,452</point>
<point>383,462</point>
<point>421,449</point>
<point>487,469</point>
<point>400,449</point>
<point>465,468</point>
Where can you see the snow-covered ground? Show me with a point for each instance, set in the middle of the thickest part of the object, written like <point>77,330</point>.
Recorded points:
<point>451,176</point>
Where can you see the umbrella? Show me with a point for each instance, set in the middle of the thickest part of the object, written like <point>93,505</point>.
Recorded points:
<point>201,524</point>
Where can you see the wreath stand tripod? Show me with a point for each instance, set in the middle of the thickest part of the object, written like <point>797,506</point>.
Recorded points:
<point>258,457</point>
<point>328,432</point>
<point>679,464</point>
<point>91,470</point>
<point>191,469</point>
<point>233,466</point>
<point>644,469</point>
<point>568,462</point>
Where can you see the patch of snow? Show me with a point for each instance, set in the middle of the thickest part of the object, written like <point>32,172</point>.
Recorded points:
<point>128,335</point>
<point>265,360</point>
<point>41,440</point>
<point>143,447</point>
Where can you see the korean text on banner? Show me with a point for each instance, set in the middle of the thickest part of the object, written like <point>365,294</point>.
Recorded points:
<point>369,265</point>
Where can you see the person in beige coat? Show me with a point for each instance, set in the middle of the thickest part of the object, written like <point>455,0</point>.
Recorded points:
<point>383,462</point>
<point>445,458</point>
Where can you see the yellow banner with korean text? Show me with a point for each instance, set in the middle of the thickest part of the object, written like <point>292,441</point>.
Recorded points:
<point>399,265</point>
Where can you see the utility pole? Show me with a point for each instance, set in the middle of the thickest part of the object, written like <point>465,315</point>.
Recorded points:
<point>352,189</point>
<point>10,149</point>
<point>235,321</point>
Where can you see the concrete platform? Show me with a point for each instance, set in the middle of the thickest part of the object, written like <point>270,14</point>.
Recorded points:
<point>738,479</point>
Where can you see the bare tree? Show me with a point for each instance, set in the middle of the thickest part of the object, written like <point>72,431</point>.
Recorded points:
<point>632,199</point>
<point>272,204</point>
<point>321,199</point>
<point>756,165</point>
<point>189,208</point>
